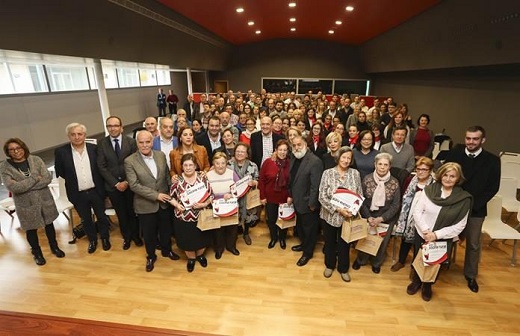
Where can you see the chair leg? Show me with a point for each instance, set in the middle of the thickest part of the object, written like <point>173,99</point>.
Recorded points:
<point>513,259</point>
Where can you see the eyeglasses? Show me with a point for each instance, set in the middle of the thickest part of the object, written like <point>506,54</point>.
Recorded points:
<point>16,149</point>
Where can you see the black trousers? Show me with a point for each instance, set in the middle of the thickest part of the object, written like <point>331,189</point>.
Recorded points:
<point>50,232</point>
<point>336,249</point>
<point>225,236</point>
<point>123,203</point>
<point>90,200</point>
<point>271,212</point>
<point>155,225</point>
<point>308,226</point>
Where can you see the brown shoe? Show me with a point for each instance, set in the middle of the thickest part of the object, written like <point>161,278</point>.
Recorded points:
<point>396,267</point>
<point>413,287</point>
<point>426,292</point>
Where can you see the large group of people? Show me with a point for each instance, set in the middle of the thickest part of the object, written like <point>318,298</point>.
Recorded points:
<point>297,150</point>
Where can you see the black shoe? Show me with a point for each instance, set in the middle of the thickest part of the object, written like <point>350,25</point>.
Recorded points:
<point>138,241</point>
<point>57,252</point>
<point>92,246</point>
<point>218,254</point>
<point>303,261</point>
<point>426,292</point>
<point>126,244</point>
<point>283,245</point>
<point>297,248</point>
<point>473,285</point>
<point>106,244</point>
<point>150,264</point>
<point>38,257</point>
<point>235,251</point>
<point>272,243</point>
<point>356,265</point>
<point>202,260</point>
<point>190,266</point>
<point>376,269</point>
<point>247,239</point>
<point>172,255</point>
<point>413,287</point>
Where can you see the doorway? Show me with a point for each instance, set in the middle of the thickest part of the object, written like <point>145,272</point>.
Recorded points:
<point>220,86</point>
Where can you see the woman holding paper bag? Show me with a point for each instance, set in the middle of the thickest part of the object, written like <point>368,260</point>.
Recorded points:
<point>441,213</point>
<point>274,190</point>
<point>242,166</point>
<point>381,205</point>
<point>221,178</point>
<point>337,251</point>
<point>189,237</point>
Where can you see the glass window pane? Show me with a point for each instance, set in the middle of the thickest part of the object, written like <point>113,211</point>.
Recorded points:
<point>147,77</point>
<point>315,85</point>
<point>110,76</point>
<point>28,78</point>
<point>6,86</point>
<point>163,77</point>
<point>279,85</point>
<point>92,78</point>
<point>67,78</point>
<point>128,77</point>
<point>351,87</point>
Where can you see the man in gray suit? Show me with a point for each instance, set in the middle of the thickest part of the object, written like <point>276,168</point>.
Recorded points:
<point>305,176</point>
<point>148,177</point>
<point>112,151</point>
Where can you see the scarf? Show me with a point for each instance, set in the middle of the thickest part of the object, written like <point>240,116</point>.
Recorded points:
<point>316,139</point>
<point>241,172</point>
<point>454,207</point>
<point>281,182</point>
<point>379,197</point>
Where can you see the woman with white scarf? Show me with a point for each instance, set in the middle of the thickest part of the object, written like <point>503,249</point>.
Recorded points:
<point>381,205</point>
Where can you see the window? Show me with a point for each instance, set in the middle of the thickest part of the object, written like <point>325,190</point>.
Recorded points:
<point>315,85</point>
<point>109,75</point>
<point>351,87</point>
<point>6,86</point>
<point>279,85</point>
<point>128,77</point>
<point>67,78</point>
<point>163,77</point>
<point>147,77</point>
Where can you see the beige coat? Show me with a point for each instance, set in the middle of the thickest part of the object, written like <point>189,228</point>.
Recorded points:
<point>33,200</point>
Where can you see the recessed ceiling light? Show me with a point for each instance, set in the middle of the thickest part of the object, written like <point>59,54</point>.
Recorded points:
<point>292,19</point>
<point>338,22</point>
<point>331,31</point>
<point>349,8</point>
<point>258,32</point>
<point>250,23</point>
<point>240,10</point>
<point>293,29</point>
<point>292,4</point>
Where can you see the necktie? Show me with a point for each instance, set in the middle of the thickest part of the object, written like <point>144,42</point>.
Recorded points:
<point>117,148</point>
<point>471,155</point>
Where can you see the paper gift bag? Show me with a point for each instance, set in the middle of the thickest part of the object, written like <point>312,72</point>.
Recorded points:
<point>230,220</point>
<point>207,221</point>
<point>425,273</point>
<point>253,199</point>
<point>370,244</point>
<point>284,224</point>
<point>353,230</point>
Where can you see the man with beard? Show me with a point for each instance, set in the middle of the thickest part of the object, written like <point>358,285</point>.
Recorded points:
<point>211,139</point>
<point>305,176</point>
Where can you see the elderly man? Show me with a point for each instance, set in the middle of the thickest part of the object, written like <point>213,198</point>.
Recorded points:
<point>181,114</point>
<point>166,141</point>
<point>112,151</point>
<point>305,169</point>
<point>264,142</point>
<point>191,108</point>
<point>76,162</point>
<point>150,124</point>
<point>481,171</point>
<point>148,177</point>
<point>402,153</point>
<point>224,123</point>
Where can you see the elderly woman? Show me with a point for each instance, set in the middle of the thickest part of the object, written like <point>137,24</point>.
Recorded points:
<point>27,178</point>
<point>188,236</point>
<point>274,184</point>
<point>405,224</point>
<point>242,166</point>
<point>221,178</point>
<point>337,251</point>
<point>364,154</point>
<point>381,205</point>
<point>441,213</point>
<point>187,145</point>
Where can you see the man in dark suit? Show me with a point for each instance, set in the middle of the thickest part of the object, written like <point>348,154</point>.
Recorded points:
<point>148,177</point>
<point>192,108</point>
<point>333,111</point>
<point>264,142</point>
<point>305,176</point>
<point>211,140</point>
<point>111,153</point>
<point>77,164</point>
<point>481,171</point>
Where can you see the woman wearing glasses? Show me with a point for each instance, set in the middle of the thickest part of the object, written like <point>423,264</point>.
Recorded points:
<point>27,178</point>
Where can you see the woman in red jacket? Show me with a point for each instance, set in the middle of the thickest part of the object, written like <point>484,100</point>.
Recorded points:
<point>273,184</point>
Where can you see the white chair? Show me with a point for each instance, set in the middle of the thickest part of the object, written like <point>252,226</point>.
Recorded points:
<point>445,145</point>
<point>436,150</point>
<point>511,169</point>
<point>508,192</point>
<point>7,205</point>
<point>496,229</point>
<point>92,141</point>
<point>63,204</point>
<point>509,157</point>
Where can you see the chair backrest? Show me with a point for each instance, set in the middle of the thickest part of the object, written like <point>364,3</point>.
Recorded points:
<point>436,150</point>
<point>445,145</point>
<point>509,157</point>
<point>508,187</point>
<point>62,190</point>
<point>92,141</point>
<point>494,208</point>
<point>510,169</point>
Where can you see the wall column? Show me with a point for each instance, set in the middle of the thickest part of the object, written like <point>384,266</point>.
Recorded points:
<point>102,92</point>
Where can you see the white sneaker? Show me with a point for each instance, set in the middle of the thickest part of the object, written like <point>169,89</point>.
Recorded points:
<point>345,277</point>
<point>327,272</point>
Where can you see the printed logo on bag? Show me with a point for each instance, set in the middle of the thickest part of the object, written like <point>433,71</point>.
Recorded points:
<point>241,187</point>
<point>225,208</point>
<point>286,211</point>
<point>197,193</point>
<point>347,199</point>
<point>435,253</point>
